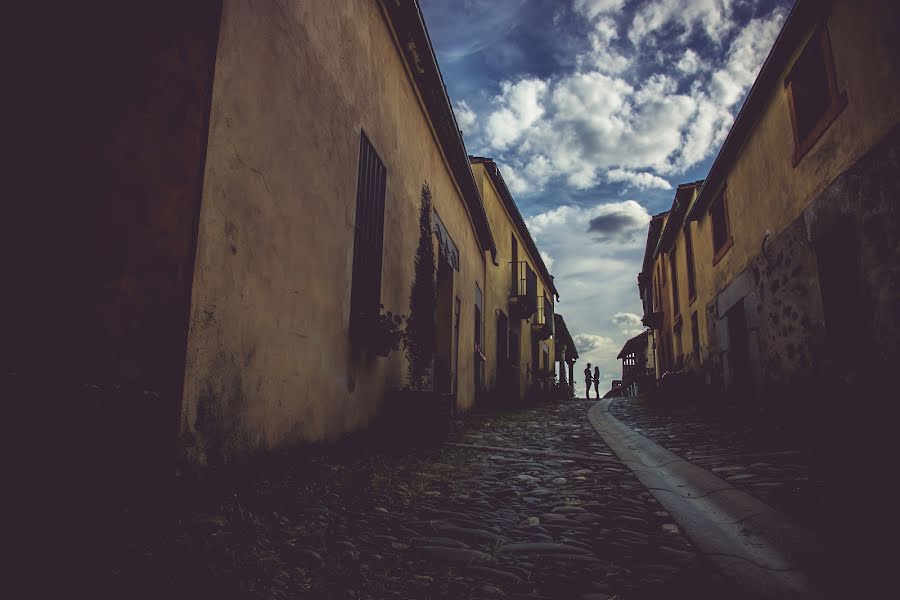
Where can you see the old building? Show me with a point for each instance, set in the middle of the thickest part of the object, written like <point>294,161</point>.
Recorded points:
<point>638,370</point>
<point>781,264</point>
<point>566,354</point>
<point>520,296</point>
<point>233,193</point>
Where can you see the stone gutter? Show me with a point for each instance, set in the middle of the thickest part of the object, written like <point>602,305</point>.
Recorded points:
<point>766,554</point>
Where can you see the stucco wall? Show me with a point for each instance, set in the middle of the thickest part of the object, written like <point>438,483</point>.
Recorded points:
<point>782,293</point>
<point>269,359</point>
<point>498,285</point>
<point>765,192</point>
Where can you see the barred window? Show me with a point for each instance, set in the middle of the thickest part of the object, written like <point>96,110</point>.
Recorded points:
<point>368,241</point>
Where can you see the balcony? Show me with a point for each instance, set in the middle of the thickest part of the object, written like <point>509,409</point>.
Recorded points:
<point>542,327</point>
<point>523,299</point>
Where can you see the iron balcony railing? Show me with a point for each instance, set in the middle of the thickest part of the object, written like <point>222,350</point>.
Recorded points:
<point>523,296</point>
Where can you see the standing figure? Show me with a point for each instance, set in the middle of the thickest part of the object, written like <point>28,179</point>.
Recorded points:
<point>597,382</point>
<point>587,382</point>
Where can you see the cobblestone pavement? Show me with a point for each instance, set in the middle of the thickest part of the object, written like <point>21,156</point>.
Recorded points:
<point>786,471</point>
<point>525,504</point>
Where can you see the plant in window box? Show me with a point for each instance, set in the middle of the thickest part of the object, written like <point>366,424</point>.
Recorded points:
<point>385,332</point>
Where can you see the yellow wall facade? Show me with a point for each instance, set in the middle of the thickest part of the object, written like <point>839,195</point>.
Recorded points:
<point>764,190</point>
<point>498,287</point>
<point>777,211</point>
<point>269,359</point>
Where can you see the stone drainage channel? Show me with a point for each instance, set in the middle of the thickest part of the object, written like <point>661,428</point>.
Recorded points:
<point>763,552</point>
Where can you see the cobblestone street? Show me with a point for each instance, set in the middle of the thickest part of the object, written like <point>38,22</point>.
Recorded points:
<point>524,504</point>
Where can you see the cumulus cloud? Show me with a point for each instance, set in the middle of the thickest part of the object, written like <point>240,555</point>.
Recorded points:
<point>639,180</point>
<point>714,17</point>
<point>689,62</point>
<point>520,107</point>
<point>465,117</point>
<point>599,124</point>
<point>593,8</point>
<point>629,324</point>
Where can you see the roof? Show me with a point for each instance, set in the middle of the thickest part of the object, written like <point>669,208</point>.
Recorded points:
<point>804,14</point>
<point>563,337</point>
<point>680,204</point>
<point>635,344</point>
<point>655,228</point>
<point>493,172</point>
<point>412,35</point>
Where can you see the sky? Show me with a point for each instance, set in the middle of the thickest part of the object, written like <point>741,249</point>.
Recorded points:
<point>595,110</point>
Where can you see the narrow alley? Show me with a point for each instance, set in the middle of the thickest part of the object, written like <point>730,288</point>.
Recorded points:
<point>521,504</point>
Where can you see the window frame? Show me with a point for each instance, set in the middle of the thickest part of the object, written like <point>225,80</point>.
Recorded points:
<point>837,98</point>
<point>368,239</point>
<point>689,259</point>
<point>718,253</point>
<point>673,277</point>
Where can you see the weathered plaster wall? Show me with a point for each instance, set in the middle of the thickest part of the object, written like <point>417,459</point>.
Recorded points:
<point>782,294</point>
<point>498,285</point>
<point>269,359</point>
<point>765,192</point>
<point>111,109</point>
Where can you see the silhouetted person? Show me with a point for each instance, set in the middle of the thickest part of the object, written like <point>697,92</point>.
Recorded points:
<point>597,381</point>
<point>587,382</point>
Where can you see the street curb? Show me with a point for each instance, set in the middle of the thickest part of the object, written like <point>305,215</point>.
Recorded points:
<point>766,554</point>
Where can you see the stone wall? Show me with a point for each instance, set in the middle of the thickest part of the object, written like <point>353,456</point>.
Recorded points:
<point>781,289</point>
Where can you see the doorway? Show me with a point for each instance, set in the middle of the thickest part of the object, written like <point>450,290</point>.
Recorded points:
<point>444,321</point>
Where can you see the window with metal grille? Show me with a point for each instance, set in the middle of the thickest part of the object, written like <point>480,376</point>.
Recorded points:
<point>368,241</point>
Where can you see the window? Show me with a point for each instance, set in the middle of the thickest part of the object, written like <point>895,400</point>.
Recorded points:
<point>689,256</point>
<point>695,334</point>
<point>672,265</point>
<point>368,240</point>
<point>813,97</point>
<point>514,265</point>
<point>721,232</point>
<point>478,327</point>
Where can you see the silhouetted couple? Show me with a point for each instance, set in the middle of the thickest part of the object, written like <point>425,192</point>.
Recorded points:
<point>588,379</point>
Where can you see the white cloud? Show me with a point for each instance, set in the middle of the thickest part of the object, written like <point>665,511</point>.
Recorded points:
<point>745,56</point>
<point>603,55</point>
<point>689,63</point>
<point>595,123</point>
<point>521,105</point>
<point>629,324</point>
<point>714,17</point>
<point>639,180</point>
<point>465,118</point>
<point>594,8</point>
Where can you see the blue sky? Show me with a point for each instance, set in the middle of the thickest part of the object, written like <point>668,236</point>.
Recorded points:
<point>596,110</point>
